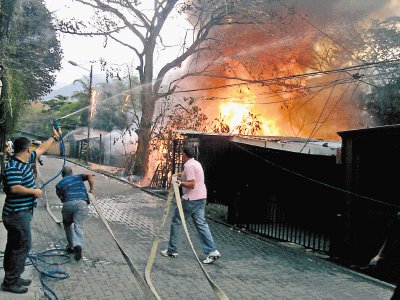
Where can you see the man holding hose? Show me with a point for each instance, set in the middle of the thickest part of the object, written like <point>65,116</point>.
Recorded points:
<point>21,198</point>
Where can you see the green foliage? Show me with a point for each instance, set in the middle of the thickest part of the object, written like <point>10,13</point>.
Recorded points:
<point>32,48</point>
<point>94,151</point>
<point>384,104</point>
<point>12,103</point>
<point>75,119</point>
<point>117,113</point>
<point>56,103</point>
<point>35,118</point>
<point>30,54</point>
<point>382,42</point>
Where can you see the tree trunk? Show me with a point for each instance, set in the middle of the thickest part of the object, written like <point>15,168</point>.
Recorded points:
<point>6,12</point>
<point>144,133</point>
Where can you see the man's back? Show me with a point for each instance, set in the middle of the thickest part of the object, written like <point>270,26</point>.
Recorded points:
<point>72,187</point>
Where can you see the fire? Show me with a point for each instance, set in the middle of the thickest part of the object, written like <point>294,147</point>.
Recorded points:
<point>233,114</point>
<point>242,115</point>
<point>237,114</point>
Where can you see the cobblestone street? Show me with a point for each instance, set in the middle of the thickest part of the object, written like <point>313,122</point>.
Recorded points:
<point>250,268</point>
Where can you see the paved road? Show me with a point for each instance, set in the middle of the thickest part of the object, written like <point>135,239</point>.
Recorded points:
<point>250,268</point>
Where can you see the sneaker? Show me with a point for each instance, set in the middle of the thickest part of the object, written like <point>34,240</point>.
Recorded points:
<point>213,256</point>
<point>69,250</point>
<point>78,253</point>
<point>167,253</point>
<point>24,282</point>
<point>14,288</point>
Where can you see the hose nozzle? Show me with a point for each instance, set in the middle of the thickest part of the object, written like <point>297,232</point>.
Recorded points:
<point>56,123</point>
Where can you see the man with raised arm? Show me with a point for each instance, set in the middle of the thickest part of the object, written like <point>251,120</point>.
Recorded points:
<point>21,198</point>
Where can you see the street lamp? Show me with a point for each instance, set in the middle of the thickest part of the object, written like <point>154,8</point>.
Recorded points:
<point>90,105</point>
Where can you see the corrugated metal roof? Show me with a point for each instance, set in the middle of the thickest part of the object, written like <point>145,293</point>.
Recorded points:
<point>291,144</point>
<point>369,130</point>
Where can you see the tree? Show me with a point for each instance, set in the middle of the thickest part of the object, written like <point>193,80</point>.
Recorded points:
<point>381,42</point>
<point>30,54</point>
<point>35,118</point>
<point>383,104</point>
<point>146,23</point>
<point>32,48</point>
<point>179,118</point>
<point>122,110</point>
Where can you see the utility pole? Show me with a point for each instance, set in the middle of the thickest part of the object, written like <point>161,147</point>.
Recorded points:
<point>89,115</point>
<point>89,121</point>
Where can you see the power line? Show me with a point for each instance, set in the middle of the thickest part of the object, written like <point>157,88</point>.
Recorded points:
<point>244,81</point>
<point>314,180</point>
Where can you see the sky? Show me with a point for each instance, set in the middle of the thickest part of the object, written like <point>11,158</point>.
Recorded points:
<point>82,50</point>
<point>85,50</point>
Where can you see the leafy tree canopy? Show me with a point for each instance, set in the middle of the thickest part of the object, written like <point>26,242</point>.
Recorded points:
<point>32,48</point>
<point>30,54</point>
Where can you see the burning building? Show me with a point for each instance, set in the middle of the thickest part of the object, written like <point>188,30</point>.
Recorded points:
<point>296,68</point>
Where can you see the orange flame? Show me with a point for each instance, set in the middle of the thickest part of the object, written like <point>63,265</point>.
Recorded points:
<point>236,113</point>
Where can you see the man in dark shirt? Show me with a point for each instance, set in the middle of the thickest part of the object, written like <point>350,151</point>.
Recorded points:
<point>21,198</point>
<point>72,192</point>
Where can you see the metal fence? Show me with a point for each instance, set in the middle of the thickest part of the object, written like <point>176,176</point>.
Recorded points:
<point>267,200</point>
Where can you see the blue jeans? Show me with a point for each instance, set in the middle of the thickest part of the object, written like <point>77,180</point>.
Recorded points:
<point>19,243</point>
<point>74,213</point>
<point>194,209</point>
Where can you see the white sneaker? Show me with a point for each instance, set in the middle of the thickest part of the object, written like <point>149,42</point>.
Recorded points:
<point>213,256</point>
<point>167,253</point>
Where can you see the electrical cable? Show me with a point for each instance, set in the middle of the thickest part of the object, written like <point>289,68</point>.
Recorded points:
<point>316,181</point>
<point>320,115</point>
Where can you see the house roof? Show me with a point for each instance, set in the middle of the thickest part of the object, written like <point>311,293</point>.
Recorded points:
<point>291,144</point>
<point>370,130</point>
<point>81,133</point>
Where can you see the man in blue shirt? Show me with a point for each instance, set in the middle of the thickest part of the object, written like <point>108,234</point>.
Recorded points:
<point>21,198</point>
<point>72,192</point>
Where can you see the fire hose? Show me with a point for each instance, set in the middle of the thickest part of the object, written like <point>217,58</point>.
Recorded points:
<point>56,125</point>
<point>58,221</point>
<point>146,284</point>
<point>174,191</point>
